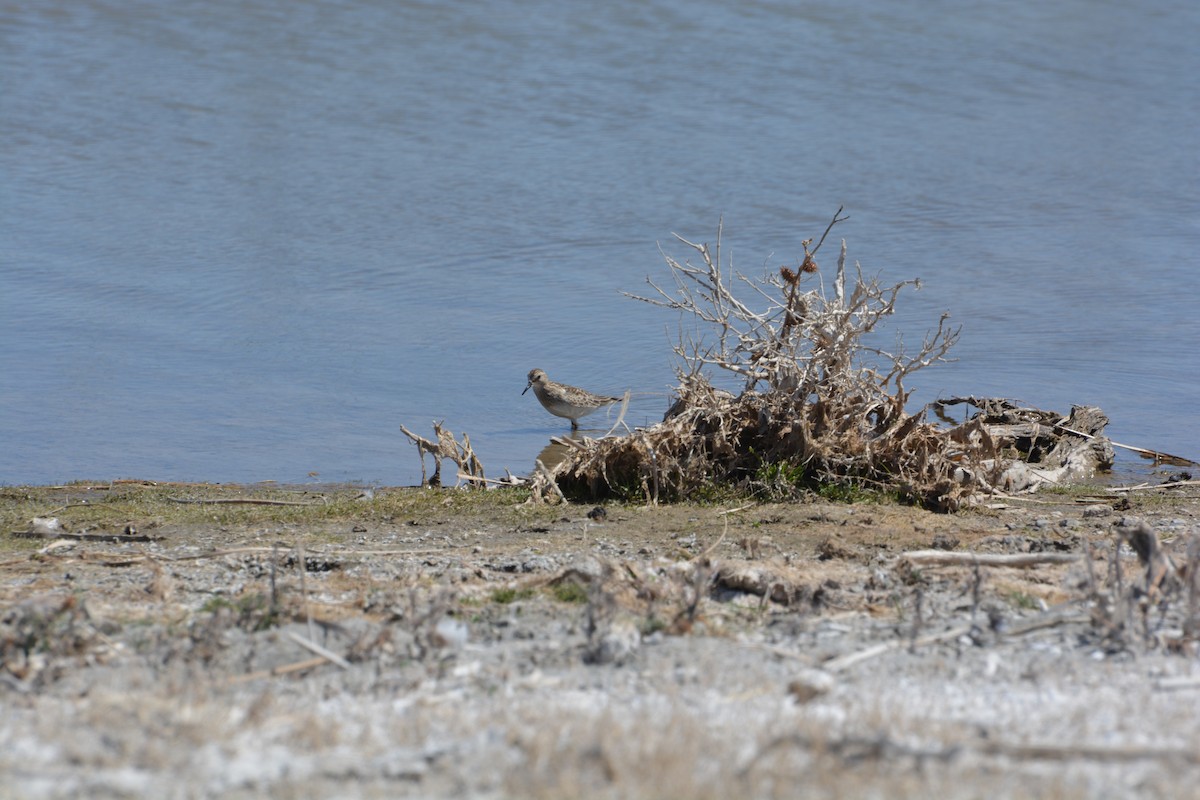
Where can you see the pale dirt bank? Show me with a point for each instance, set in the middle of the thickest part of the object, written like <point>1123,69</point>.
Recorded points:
<point>507,651</point>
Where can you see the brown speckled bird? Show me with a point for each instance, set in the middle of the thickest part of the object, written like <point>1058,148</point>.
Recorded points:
<point>565,401</point>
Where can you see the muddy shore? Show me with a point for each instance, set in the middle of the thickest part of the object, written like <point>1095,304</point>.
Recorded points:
<point>238,641</point>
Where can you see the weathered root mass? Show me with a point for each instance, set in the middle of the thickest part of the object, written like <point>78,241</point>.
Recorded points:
<point>819,406</point>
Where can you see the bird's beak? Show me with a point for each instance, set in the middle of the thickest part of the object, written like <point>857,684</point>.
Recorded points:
<point>526,389</point>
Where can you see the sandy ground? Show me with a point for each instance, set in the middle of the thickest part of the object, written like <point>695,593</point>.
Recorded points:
<point>403,647</point>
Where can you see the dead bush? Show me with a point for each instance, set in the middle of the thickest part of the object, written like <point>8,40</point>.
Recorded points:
<point>819,403</point>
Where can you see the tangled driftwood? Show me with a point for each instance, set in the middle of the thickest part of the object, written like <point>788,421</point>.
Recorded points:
<point>1019,449</point>
<point>446,447</point>
<point>819,405</point>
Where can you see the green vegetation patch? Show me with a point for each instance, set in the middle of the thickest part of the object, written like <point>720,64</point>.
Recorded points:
<point>143,506</point>
<point>507,595</point>
<point>569,592</point>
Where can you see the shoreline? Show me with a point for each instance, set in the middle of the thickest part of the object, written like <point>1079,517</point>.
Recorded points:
<point>1128,469</point>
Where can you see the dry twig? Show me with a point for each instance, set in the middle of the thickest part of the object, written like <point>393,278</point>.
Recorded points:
<point>469,467</point>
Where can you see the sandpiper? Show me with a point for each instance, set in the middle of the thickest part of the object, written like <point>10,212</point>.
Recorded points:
<point>565,401</point>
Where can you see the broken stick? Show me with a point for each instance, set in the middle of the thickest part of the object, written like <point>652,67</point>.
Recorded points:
<point>944,558</point>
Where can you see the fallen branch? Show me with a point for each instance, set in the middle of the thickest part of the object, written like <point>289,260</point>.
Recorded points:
<point>56,545</point>
<point>943,558</point>
<point>1060,615</point>
<point>324,653</point>
<point>1156,455</point>
<point>508,481</point>
<point>1149,486</point>
<point>850,659</point>
<point>286,669</point>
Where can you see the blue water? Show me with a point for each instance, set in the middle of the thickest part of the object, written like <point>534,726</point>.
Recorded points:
<point>247,240</point>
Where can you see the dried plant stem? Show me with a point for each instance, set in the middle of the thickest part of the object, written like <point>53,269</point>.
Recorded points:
<point>324,653</point>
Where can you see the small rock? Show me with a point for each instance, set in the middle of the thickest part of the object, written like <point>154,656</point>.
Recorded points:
<point>613,643</point>
<point>587,566</point>
<point>537,564</point>
<point>879,580</point>
<point>450,632</point>
<point>45,525</point>
<point>810,684</point>
<point>944,541</point>
<point>1098,510</point>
